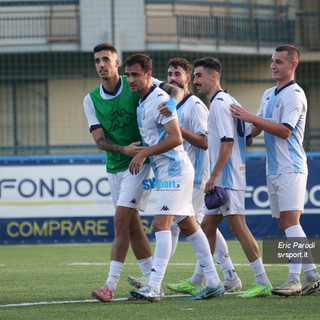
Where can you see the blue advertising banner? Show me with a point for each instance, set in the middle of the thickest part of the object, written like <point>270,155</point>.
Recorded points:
<point>47,199</point>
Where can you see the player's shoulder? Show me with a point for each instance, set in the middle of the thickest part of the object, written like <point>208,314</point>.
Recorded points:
<point>267,94</point>
<point>195,101</point>
<point>296,89</point>
<point>158,93</point>
<point>222,97</point>
<point>294,93</point>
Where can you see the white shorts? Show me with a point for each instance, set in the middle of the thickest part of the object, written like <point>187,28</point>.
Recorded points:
<point>177,200</point>
<point>127,189</point>
<point>235,204</point>
<point>286,192</point>
<point>197,204</point>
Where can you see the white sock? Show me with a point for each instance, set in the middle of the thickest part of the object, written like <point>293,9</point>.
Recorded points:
<point>175,231</point>
<point>223,259</point>
<point>296,231</point>
<point>145,266</point>
<point>161,258</point>
<point>294,268</point>
<point>114,275</point>
<point>198,275</point>
<point>200,245</point>
<point>259,272</point>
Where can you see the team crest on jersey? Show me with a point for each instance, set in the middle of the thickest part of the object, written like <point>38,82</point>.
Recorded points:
<point>121,119</point>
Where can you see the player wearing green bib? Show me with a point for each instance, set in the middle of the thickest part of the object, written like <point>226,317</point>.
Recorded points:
<point>111,111</point>
<point>118,118</point>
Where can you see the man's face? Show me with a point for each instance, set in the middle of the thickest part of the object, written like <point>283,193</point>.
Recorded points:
<point>137,79</point>
<point>280,66</point>
<point>107,64</point>
<point>178,77</point>
<point>202,80</point>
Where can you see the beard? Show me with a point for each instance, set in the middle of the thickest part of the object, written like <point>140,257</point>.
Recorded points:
<point>179,85</point>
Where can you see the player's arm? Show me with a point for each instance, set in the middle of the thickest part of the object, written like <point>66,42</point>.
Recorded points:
<point>224,154</point>
<point>255,131</point>
<point>176,94</point>
<point>107,145</point>
<point>173,91</point>
<point>276,129</point>
<point>173,140</point>
<point>197,140</point>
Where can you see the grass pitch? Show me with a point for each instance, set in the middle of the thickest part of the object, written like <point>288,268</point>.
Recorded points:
<point>55,282</point>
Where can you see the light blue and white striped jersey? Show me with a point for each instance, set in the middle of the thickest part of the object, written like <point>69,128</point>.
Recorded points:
<point>151,125</point>
<point>223,127</point>
<point>193,116</point>
<point>289,107</point>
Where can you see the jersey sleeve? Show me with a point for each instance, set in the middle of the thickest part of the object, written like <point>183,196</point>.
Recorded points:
<point>224,121</point>
<point>161,119</point>
<point>292,109</point>
<point>199,119</point>
<point>88,106</point>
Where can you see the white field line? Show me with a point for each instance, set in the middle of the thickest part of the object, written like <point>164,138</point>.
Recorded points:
<point>29,304</point>
<point>170,264</point>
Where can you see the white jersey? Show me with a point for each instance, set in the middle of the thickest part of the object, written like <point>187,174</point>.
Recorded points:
<point>289,107</point>
<point>193,116</point>
<point>151,125</point>
<point>223,127</point>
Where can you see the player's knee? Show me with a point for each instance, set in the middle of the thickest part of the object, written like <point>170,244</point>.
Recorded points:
<point>235,231</point>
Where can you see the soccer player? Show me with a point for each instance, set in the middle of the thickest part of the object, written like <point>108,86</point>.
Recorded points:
<point>111,114</point>
<point>192,118</point>
<point>172,168</point>
<point>227,138</point>
<point>282,117</point>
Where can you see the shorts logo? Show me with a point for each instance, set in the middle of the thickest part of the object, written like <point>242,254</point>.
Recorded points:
<point>133,201</point>
<point>153,270</point>
<point>161,185</point>
<point>165,208</point>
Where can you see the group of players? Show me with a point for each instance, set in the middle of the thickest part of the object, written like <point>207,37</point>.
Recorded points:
<point>194,150</point>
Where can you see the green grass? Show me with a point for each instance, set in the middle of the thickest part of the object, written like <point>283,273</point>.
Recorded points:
<point>31,274</point>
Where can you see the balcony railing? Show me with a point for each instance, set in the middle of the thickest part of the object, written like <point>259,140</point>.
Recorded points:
<point>231,24</point>
<point>235,30</point>
<point>42,26</point>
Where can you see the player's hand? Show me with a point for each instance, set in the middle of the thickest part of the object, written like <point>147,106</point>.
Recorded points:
<point>240,113</point>
<point>210,186</point>
<point>132,149</point>
<point>136,162</point>
<point>168,107</point>
<point>164,109</point>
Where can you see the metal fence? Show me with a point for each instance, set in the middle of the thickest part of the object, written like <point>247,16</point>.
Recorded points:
<point>41,90</point>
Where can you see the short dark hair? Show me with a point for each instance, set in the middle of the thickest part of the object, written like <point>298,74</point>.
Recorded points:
<point>104,47</point>
<point>210,63</point>
<point>180,62</point>
<point>293,52</point>
<point>139,58</point>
